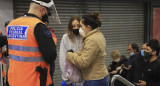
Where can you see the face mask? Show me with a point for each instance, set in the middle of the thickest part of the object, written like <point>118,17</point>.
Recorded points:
<point>81,32</point>
<point>142,52</point>
<point>131,53</point>
<point>147,55</point>
<point>117,60</point>
<point>45,18</point>
<point>76,31</point>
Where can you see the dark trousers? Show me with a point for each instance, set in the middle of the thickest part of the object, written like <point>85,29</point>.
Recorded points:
<point>52,68</point>
<point>101,82</point>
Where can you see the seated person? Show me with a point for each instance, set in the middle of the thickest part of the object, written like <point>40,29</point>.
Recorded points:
<point>146,70</point>
<point>115,67</point>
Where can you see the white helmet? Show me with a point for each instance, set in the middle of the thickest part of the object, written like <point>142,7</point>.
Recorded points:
<point>44,3</point>
<point>50,6</point>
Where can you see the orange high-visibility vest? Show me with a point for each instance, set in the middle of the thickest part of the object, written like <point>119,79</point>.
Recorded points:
<point>24,53</point>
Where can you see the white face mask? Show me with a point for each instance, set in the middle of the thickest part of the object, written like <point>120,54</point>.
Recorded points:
<point>131,53</point>
<point>117,60</point>
<point>81,32</point>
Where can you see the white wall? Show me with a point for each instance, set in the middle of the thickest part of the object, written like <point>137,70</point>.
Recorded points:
<point>6,13</point>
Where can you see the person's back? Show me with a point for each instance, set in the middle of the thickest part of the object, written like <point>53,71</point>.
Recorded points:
<point>23,52</point>
<point>29,58</point>
<point>99,57</point>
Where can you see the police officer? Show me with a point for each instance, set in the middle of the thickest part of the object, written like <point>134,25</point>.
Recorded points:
<point>52,66</point>
<point>31,47</point>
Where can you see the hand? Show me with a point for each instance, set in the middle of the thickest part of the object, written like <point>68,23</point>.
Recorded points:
<point>141,83</point>
<point>118,68</point>
<point>127,68</point>
<point>70,50</point>
<point>114,72</point>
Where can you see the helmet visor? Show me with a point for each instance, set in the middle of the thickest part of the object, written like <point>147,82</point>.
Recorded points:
<point>53,15</point>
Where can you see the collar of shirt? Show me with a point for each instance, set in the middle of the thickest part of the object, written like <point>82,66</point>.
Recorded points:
<point>31,15</point>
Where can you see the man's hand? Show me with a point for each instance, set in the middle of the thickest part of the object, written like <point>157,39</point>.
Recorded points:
<point>114,72</point>
<point>141,83</point>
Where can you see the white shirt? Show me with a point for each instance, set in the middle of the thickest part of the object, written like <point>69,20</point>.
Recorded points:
<point>65,45</point>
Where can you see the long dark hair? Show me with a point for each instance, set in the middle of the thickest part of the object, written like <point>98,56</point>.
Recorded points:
<point>70,29</point>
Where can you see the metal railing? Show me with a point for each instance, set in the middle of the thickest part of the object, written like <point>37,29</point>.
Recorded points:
<point>121,79</point>
<point>1,77</point>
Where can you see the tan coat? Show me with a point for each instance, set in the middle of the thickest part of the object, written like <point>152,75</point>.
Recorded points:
<point>91,59</point>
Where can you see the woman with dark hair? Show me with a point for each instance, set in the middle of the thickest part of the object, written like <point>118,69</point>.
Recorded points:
<point>91,59</point>
<point>70,40</point>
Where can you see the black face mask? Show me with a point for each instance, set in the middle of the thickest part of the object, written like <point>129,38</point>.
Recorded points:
<point>45,18</point>
<point>147,55</point>
<point>76,32</point>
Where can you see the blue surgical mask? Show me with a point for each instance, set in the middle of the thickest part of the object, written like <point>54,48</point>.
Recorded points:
<point>142,52</point>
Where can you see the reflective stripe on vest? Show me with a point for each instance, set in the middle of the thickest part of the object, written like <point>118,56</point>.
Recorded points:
<point>26,59</point>
<point>23,48</point>
<point>24,53</point>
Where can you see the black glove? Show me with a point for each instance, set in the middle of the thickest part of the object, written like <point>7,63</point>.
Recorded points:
<point>70,50</point>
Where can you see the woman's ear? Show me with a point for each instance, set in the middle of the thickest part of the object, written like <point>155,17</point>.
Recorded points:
<point>89,27</point>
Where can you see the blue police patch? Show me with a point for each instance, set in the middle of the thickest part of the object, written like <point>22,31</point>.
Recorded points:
<point>17,32</point>
<point>47,33</point>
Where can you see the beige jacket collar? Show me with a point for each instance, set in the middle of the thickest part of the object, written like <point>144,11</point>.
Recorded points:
<point>90,33</point>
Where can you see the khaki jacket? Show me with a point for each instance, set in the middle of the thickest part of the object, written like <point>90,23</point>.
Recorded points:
<point>91,59</point>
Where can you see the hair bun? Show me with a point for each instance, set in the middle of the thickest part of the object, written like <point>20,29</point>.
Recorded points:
<point>96,13</point>
<point>98,17</point>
